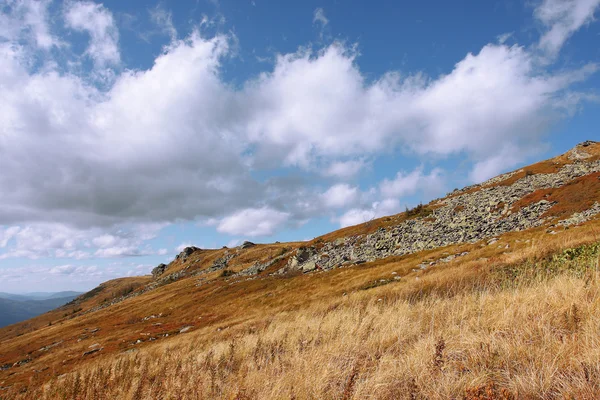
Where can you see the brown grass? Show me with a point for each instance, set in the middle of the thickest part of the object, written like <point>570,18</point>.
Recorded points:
<point>519,325</point>
<point>575,196</point>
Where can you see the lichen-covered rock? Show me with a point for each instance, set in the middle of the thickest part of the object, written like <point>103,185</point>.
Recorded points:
<point>188,251</point>
<point>159,270</point>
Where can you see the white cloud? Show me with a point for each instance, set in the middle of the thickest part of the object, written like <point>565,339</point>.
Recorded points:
<point>340,195</point>
<point>345,169</point>
<point>75,270</point>
<point>408,184</point>
<point>63,269</point>
<point>61,241</point>
<point>189,141</point>
<point>164,20</point>
<point>492,98</point>
<point>182,246</point>
<point>253,222</point>
<point>28,19</point>
<point>562,18</point>
<point>377,209</point>
<point>98,22</point>
<point>319,17</point>
<point>234,242</point>
<point>7,234</point>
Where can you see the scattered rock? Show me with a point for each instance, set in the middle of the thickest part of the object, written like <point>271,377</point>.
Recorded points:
<point>159,270</point>
<point>22,362</point>
<point>185,329</point>
<point>188,251</point>
<point>5,367</point>
<point>87,353</point>
<point>579,218</point>
<point>46,348</point>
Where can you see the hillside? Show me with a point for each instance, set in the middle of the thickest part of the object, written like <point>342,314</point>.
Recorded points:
<point>491,292</point>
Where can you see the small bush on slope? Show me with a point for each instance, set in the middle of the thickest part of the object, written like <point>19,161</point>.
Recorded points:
<point>530,330</point>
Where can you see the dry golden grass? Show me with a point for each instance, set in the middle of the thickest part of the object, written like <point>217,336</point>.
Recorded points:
<point>520,325</point>
<point>507,321</point>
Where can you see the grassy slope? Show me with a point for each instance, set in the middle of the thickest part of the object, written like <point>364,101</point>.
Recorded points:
<point>517,324</point>
<point>476,325</point>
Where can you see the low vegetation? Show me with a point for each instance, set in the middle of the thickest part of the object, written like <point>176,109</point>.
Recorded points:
<point>509,315</point>
<point>522,326</point>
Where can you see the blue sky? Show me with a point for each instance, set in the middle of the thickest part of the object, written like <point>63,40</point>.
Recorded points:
<point>131,129</point>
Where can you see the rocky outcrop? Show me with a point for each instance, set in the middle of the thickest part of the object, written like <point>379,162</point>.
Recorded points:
<point>477,213</point>
<point>580,218</point>
<point>188,251</point>
<point>467,217</point>
<point>159,270</point>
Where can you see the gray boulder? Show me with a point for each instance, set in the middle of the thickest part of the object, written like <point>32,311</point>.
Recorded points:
<point>159,270</point>
<point>186,253</point>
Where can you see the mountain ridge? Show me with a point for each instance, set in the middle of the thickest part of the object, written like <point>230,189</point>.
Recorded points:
<point>217,294</point>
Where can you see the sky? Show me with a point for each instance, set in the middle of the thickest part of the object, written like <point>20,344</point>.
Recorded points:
<point>129,130</point>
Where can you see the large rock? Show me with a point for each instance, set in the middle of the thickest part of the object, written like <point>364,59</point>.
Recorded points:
<point>186,253</point>
<point>247,244</point>
<point>301,257</point>
<point>159,270</point>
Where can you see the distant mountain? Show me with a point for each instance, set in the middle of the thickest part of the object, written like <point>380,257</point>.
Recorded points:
<point>20,307</point>
<point>38,295</point>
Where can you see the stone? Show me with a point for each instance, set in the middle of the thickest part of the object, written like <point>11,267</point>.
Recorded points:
<point>89,352</point>
<point>309,266</point>
<point>22,362</point>
<point>247,245</point>
<point>188,251</point>
<point>185,329</point>
<point>159,270</point>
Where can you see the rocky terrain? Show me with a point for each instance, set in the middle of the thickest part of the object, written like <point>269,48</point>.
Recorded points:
<point>476,213</point>
<point>213,290</point>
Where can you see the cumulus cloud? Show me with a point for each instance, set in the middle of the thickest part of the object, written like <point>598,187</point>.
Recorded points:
<point>98,22</point>
<point>562,18</point>
<point>345,169</point>
<point>340,195</point>
<point>377,209</point>
<point>406,184</point>
<point>182,246</point>
<point>253,222</point>
<point>490,99</point>
<point>7,234</point>
<point>58,240</point>
<point>27,19</point>
<point>190,142</point>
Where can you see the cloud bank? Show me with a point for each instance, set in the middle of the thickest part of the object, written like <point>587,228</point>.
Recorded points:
<point>176,142</point>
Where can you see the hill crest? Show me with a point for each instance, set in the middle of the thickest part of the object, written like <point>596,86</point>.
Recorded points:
<point>228,290</point>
